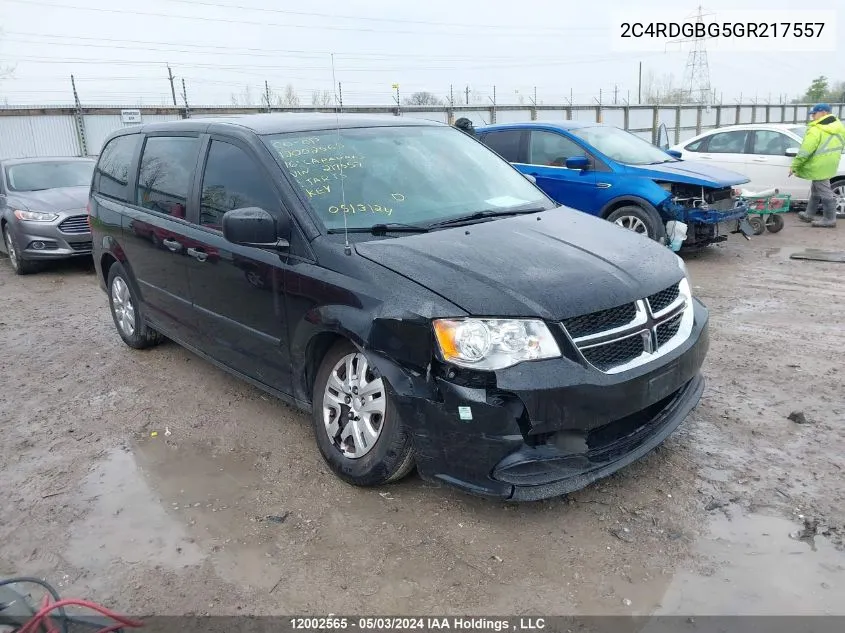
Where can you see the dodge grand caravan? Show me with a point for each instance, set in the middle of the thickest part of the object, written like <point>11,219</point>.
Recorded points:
<point>427,304</point>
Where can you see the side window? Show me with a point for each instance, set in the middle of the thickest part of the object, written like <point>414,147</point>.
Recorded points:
<point>771,143</point>
<point>505,143</point>
<point>696,146</point>
<point>232,180</point>
<point>165,175</point>
<point>548,148</point>
<point>111,176</point>
<point>728,142</point>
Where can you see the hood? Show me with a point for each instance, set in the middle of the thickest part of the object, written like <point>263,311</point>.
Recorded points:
<point>60,199</point>
<point>552,265</point>
<point>691,173</point>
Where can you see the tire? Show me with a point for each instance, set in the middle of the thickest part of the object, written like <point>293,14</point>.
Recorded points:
<point>640,220</point>
<point>757,224</point>
<point>20,266</point>
<point>774,223</point>
<point>125,311</point>
<point>388,456</point>
<point>838,187</point>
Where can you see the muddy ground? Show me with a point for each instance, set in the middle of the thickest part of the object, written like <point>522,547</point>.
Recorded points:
<point>177,523</point>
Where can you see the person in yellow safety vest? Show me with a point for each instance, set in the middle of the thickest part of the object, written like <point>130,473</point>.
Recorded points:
<point>818,161</point>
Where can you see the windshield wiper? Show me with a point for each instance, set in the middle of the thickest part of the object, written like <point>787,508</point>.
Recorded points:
<point>481,215</point>
<point>382,229</point>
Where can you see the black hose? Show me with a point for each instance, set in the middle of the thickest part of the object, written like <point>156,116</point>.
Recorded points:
<point>42,583</point>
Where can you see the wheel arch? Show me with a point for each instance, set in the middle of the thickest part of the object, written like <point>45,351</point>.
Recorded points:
<point>627,200</point>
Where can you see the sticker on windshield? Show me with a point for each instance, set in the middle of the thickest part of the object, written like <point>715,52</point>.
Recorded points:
<point>505,201</point>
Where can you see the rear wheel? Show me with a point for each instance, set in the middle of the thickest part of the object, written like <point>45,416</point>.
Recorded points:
<point>125,312</point>
<point>19,265</point>
<point>357,428</point>
<point>774,223</point>
<point>639,220</point>
<point>757,224</point>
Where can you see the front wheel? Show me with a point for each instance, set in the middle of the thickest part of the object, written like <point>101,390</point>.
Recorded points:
<point>357,428</point>
<point>839,192</point>
<point>19,265</point>
<point>757,224</point>
<point>639,220</point>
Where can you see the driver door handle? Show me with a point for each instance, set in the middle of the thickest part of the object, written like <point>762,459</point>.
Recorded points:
<point>197,254</point>
<point>760,159</point>
<point>172,245</point>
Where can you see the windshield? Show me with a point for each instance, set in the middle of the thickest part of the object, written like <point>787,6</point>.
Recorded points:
<point>799,130</point>
<point>622,146</point>
<point>49,175</point>
<point>405,175</point>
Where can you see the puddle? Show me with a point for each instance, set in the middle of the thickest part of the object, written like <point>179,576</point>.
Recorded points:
<point>158,503</point>
<point>753,565</point>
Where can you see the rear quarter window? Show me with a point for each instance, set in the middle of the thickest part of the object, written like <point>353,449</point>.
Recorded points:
<point>697,146</point>
<point>111,176</point>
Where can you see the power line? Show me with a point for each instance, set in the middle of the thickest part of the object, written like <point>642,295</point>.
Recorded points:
<point>374,19</point>
<point>528,34</point>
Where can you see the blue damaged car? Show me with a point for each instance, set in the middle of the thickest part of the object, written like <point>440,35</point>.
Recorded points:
<point>608,172</point>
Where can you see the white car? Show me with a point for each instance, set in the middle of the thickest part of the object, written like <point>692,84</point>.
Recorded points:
<point>763,152</point>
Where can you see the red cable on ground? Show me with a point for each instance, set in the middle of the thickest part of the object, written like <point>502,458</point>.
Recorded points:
<point>123,621</point>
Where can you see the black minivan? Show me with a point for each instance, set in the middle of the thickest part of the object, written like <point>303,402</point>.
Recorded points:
<point>426,303</point>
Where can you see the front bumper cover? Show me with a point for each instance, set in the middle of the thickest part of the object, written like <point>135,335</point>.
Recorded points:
<point>551,427</point>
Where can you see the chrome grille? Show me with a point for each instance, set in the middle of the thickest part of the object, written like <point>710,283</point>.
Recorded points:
<point>659,301</point>
<point>665,331</point>
<point>615,353</point>
<point>587,324</point>
<point>75,224</point>
<point>634,334</point>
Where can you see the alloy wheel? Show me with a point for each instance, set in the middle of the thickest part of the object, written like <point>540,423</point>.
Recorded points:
<point>354,403</point>
<point>839,192</point>
<point>632,223</point>
<point>124,310</point>
<point>10,248</point>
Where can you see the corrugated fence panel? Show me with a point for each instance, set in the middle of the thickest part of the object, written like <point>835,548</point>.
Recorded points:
<point>551,115</point>
<point>775,115</point>
<point>728,116</point>
<point>708,119</point>
<point>513,116</point>
<point>48,135</point>
<point>427,115</point>
<point>640,118</point>
<point>613,117</point>
<point>689,117</point>
<point>478,117</point>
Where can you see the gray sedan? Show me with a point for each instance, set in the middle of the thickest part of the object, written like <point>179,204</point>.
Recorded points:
<point>43,210</point>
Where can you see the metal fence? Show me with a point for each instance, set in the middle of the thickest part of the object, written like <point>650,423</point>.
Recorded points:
<point>68,131</point>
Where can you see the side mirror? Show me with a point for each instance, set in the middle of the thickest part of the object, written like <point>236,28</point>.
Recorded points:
<point>252,226</point>
<point>531,178</point>
<point>792,151</point>
<point>577,162</point>
<point>674,153</point>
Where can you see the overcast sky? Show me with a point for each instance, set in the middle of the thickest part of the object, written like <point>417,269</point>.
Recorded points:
<point>118,50</point>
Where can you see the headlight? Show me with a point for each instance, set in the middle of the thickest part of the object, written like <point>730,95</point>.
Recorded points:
<point>35,216</point>
<point>494,343</point>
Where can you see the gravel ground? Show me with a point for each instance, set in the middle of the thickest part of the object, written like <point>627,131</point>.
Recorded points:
<point>144,480</point>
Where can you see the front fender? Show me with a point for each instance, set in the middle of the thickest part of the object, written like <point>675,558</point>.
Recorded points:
<point>398,345</point>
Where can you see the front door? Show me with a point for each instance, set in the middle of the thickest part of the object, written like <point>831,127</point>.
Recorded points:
<point>768,165</point>
<point>547,154</point>
<point>238,291</point>
<point>155,232</point>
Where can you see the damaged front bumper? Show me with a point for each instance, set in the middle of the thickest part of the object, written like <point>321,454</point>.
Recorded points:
<point>545,428</point>
<point>707,225</point>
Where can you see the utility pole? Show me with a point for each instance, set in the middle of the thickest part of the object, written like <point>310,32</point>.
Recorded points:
<point>615,91</point>
<point>571,96</point>
<point>451,96</point>
<point>267,94</point>
<point>172,89</point>
<point>467,92</point>
<point>535,95</point>
<point>493,114</point>
<point>185,97</point>
<point>640,86</point>
<point>80,121</point>
<point>340,94</point>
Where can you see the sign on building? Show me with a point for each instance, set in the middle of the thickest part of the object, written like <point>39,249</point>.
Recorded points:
<point>130,116</point>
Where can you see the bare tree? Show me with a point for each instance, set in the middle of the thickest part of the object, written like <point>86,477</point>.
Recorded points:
<point>321,98</point>
<point>662,89</point>
<point>290,97</point>
<point>423,98</point>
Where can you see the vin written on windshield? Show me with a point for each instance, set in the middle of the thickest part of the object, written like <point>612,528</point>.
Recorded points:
<point>411,175</point>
